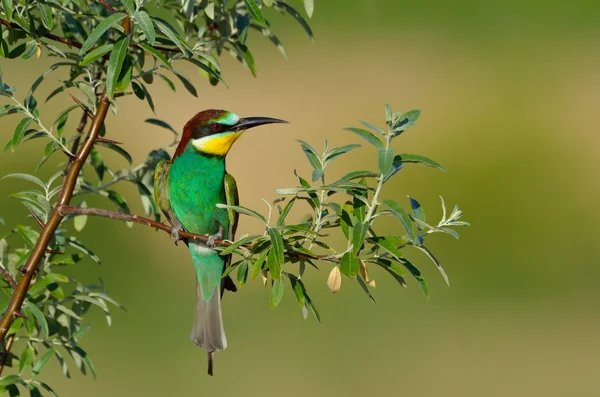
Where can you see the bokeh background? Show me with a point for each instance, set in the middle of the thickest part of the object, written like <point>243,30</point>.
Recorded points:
<point>508,92</point>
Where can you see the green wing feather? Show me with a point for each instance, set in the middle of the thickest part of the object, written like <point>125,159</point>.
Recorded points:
<point>161,191</point>
<point>232,198</point>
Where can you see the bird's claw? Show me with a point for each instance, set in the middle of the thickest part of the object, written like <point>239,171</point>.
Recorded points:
<point>214,237</point>
<point>175,233</point>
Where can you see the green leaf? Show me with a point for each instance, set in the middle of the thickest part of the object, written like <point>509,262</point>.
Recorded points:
<point>257,265</point>
<point>97,163</point>
<point>20,132</point>
<point>358,236</point>
<point>277,253</point>
<point>100,30</point>
<point>276,292</point>
<point>349,265</point>
<point>80,220</point>
<point>417,209</point>
<point>115,63</point>
<point>412,269</point>
<point>413,158</point>
<point>388,244</point>
<point>393,269</point>
<point>125,75</point>
<point>11,380</point>
<point>40,318</point>
<point>186,83</point>
<point>406,121</point>
<point>238,243</point>
<point>8,9</point>
<point>309,6</point>
<point>41,363</point>
<point>365,288</point>
<point>26,177</point>
<point>373,127</point>
<point>355,175</point>
<point>312,155</point>
<point>172,35</point>
<point>434,260</point>
<point>298,288</point>
<point>402,215</point>
<point>296,15</point>
<point>386,158</point>
<point>146,24</point>
<point>368,136</point>
<point>116,148</point>
<point>159,55</point>
<point>388,115</point>
<point>285,212</point>
<point>119,201</point>
<point>26,359</point>
<point>129,6</point>
<point>162,124</point>
<point>347,220</point>
<point>244,210</point>
<point>242,273</point>
<point>46,14</point>
<point>254,10</point>
<point>339,151</point>
<point>75,243</point>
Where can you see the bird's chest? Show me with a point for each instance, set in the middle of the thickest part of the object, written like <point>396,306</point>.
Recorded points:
<point>195,188</point>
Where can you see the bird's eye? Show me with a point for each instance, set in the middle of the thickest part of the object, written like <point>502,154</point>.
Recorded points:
<point>216,127</point>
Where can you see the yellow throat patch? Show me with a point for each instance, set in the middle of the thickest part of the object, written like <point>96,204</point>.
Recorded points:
<point>218,144</point>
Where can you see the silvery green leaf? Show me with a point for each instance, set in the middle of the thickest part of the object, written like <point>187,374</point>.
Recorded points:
<point>373,127</point>
<point>386,159</point>
<point>100,30</point>
<point>368,136</point>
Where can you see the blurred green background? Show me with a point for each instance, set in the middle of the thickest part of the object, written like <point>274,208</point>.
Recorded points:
<point>508,91</point>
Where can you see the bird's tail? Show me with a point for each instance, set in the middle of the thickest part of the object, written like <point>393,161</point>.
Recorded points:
<point>208,331</point>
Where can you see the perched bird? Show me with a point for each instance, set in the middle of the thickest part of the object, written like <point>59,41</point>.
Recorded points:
<point>187,189</point>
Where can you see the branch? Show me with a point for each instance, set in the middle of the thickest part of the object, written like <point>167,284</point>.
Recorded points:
<point>8,277</point>
<point>67,210</point>
<point>74,43</point>
<point>54,221</point>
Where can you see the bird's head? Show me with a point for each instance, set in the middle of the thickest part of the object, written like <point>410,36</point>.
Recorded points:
<point>213,132</point>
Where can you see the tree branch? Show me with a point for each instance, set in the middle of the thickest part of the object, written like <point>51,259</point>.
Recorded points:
<point>54,221</point>
<point>67,210</point>
<point>77,44</point>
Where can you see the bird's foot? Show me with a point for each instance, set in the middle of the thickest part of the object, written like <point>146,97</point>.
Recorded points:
<point>214,237</point>
<point>175,233</point>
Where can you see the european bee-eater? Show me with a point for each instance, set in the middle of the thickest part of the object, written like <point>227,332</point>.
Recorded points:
<point>187,189</point>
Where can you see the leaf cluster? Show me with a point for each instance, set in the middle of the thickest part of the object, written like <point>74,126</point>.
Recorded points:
<point>347,208</point>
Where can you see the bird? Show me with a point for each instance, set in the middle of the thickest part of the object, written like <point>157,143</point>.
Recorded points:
<point>187,189</point>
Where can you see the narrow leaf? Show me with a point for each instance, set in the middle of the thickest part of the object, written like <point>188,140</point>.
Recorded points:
<point>402,215</point>
<point>115,63</point>
<point>146,24</point>
<point>254,10</point>
<point>276,292</point>
<point>99,31</point>
<point>349,265</point>
<point>368,136</point>
<point>413,158</point>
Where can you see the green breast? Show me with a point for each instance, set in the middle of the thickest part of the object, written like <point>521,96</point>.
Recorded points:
<point>195,188</point>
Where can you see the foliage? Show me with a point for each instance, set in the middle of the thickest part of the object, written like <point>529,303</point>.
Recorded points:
<point>108,50</point>
<point>349,206</point>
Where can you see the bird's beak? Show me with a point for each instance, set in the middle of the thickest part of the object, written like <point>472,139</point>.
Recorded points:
<point>250,122</point>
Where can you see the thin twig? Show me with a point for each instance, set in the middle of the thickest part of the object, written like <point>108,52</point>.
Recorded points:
<point>8,277</point>
<point>77,44</point>
<point>67,210</point>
